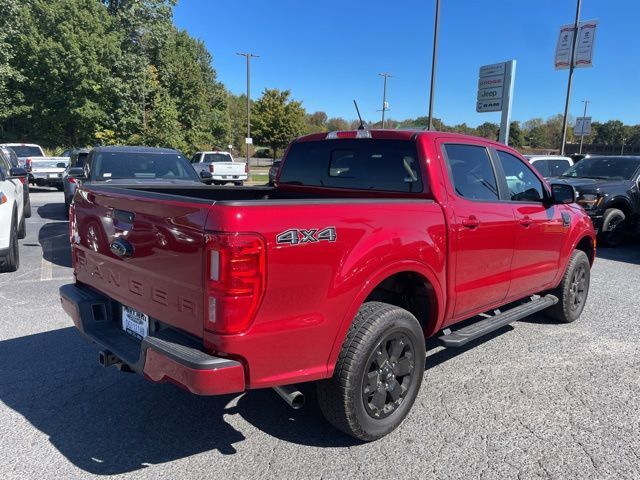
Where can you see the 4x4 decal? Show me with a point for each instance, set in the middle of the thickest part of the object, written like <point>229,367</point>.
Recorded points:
<point>298,236</point>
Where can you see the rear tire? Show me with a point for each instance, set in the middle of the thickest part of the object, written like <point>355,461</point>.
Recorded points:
<point>378,373</point>
<point>613,225</point>
<point>11,261</point>
<point>238,184</point>
<point>573,289</point>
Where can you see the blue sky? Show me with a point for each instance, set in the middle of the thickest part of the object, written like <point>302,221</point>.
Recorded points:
<point>330,52</point>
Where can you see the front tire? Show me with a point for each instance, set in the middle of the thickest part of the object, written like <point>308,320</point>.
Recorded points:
<point>573,289</point>
<point>613,224</point>
<point>378,373</point>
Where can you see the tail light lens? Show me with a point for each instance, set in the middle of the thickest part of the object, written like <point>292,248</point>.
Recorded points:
<point>27,164</point>
<point>236,280</point>
<point>211,167</point>
<point>71,179</point>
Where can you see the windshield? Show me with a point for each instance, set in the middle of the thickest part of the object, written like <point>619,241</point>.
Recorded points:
<point>606,168</point>
<point>217,157</point>
<point>147,165</point>
<point>25,151</point>
<point>551,168</point>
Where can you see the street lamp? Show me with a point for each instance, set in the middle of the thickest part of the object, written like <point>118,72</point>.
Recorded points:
<point>572,59</point>
<point>584,117</point>
<point>248,56</point>
<point>384,94</point>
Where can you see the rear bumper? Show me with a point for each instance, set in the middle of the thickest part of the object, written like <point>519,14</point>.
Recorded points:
<point>230,178</point>
<point>164,356</point>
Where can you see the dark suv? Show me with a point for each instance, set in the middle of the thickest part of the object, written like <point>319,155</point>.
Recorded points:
<point>608,189</point>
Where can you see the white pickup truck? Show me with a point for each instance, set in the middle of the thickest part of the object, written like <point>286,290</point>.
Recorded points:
<point>222,166</point>
<point>43,171</point>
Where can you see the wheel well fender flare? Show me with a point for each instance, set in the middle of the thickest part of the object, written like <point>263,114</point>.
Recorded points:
<point>408,266</point>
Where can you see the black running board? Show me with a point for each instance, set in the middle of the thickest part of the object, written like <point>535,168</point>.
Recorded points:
<point>464,335</point>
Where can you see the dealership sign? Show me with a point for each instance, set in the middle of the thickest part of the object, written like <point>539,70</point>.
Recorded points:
<point>495,89</point>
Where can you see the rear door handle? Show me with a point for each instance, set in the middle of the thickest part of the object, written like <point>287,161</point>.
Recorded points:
<point>471,222</point>
<point>526,221</point>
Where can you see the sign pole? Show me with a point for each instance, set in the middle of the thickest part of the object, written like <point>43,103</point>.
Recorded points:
<point>434,60</point>
<point>510,75</point>
<point>584,116</point>
<point>571,62</point>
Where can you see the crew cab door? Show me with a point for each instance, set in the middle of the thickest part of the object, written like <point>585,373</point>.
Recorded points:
<point>482,228</point>
<point>540,230</point>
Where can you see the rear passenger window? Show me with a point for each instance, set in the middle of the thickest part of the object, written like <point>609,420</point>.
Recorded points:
<point>522,183</point>
<point>471,172</point>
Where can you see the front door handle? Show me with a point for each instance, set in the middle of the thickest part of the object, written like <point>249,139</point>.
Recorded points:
<point>526,221</point>
<point>471,222</point>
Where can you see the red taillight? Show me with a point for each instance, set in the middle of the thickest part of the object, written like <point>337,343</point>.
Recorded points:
<point>211,167</point>
<point>235,279</point>
<point>71,180</point>
<point>27,164</point>
<point>23,180</point>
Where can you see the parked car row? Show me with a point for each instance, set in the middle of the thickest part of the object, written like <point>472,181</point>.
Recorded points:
<point>12,212</point>
<point>43,171</point>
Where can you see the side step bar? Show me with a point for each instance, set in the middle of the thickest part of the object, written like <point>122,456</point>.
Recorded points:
<point>464,335</point>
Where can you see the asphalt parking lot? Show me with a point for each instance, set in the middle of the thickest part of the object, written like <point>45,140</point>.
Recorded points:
<point>534,400</point>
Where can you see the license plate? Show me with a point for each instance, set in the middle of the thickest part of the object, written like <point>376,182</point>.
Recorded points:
<point>135,323</point>
<point>55,175</point>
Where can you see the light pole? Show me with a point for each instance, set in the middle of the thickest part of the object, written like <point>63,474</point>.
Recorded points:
<point>247,140</point>
<point>584,116</point>
<point>573,55</point>
<point>433,64</point>
<point>384,94</point>
<point>622,148</point>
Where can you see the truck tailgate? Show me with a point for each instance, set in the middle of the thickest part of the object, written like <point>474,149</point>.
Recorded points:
<point>142,252</point>
<point>227,168</point>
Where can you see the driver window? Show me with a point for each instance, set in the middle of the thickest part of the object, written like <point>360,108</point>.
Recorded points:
<point>522,183</point>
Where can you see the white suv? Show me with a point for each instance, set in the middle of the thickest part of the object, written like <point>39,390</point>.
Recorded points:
<point>12,223</point>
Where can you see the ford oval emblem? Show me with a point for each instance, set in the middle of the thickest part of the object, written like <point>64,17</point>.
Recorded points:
<point>121,248</point>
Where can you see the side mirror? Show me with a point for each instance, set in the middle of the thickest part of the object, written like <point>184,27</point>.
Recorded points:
<point>17,172</point>
<point>61,165</point>
<point>562,193</point>
<point>204,175</point>
<point>77,172</point>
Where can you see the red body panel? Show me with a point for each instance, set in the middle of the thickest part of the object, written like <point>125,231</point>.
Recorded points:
<point>313,290</point>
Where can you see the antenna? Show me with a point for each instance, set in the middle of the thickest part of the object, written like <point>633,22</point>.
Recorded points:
<point>362,126</point>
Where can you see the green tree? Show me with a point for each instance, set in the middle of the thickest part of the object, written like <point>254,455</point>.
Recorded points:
<point>10,24</point>
<point>516,135</point>
<point>488,130</point>
<point>337,124</point>
<point>278,120</point>
<point>610,133</point>
<point>315,122</point>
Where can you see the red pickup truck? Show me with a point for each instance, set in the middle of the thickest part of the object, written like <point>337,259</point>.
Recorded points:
<point>370,242</point>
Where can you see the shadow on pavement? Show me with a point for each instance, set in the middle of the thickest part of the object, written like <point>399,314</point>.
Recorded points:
<point>629,253</point>
<point>54,239</point>
<point>52,211</point>
<point>107,422</point>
